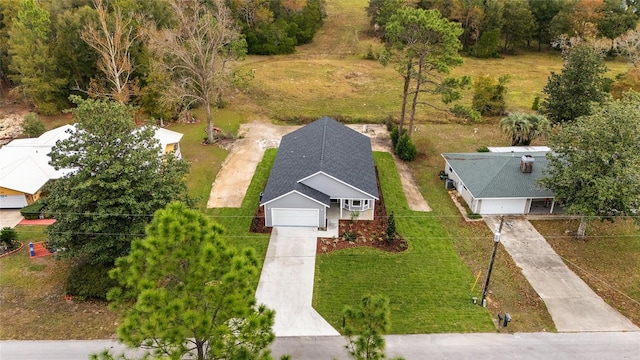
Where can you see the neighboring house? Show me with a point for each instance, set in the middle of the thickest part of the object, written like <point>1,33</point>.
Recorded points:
<point>25,169</point>
<point>321,167</point>
<point>500,182</point>
<point>169,141</point>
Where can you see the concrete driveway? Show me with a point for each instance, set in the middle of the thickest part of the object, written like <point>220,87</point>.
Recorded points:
<point>286,283</point>
<point>9,217</point>
<point>572,304</point>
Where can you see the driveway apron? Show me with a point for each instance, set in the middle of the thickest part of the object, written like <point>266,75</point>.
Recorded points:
<point>572,304</point>
<point>286,283</point>
<point>9,218</point>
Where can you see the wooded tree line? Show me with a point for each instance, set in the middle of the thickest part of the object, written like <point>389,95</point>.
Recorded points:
<point>502,26</point>
<point>51,49</point>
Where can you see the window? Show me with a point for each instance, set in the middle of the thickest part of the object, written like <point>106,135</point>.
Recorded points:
<point>355,203</point>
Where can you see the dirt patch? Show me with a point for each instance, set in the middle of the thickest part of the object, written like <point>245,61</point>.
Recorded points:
<point>10,124</point>
<point>236,172</point>
<point>254,138</point>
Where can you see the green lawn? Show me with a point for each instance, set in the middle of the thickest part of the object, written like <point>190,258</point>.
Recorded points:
<point>237,221</point>
<point>428,284</point>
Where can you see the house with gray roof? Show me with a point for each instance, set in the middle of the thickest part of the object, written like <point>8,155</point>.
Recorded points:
<point>323,165</point>
<point>500,183</point>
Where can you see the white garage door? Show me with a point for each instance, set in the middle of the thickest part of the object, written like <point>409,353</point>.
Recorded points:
<point>295,217</point>
<point>12,201</point>
<point>503,206</point>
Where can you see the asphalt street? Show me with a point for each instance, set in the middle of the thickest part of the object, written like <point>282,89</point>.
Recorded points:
<point>525,346</point>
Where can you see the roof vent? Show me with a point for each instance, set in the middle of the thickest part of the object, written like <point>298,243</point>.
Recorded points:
<point>526,164</point>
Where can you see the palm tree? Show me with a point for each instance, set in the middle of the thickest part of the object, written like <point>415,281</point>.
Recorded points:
<point>524,128</point>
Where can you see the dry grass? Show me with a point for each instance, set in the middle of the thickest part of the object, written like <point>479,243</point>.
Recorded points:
<point>33,304</point>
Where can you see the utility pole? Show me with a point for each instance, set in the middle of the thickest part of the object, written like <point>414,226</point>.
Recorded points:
<point>496,241</point>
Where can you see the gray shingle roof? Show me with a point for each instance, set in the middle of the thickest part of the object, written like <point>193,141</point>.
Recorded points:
<point>498,175</point>
<point>326,146</point>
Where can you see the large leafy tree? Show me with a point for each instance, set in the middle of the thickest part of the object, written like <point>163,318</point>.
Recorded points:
<point>75,60</point>
<point>522,128</point>
<point>186,293</point>
<point>423,47</point>
<point>593,169</point>
<point>469,14</point>
<point>518,24</point>
<point>197,54</point>
<point>543,12</point>
<point>579,86</point>
<point>32,67</point>
<point>618,18</point>
<point>118,181</point>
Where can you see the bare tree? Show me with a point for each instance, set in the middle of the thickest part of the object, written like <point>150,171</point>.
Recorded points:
<point>197,53</point>
<point>629,46</point>
<point>112,37</point>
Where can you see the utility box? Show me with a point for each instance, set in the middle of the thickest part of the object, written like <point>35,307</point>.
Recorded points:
<point>449,184</point>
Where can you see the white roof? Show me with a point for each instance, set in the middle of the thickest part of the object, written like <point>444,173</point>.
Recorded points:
<point>167,137</point>
<point>24,163</point>
<point>519,149</point>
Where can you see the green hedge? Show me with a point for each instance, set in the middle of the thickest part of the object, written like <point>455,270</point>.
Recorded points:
<point>33,211</point>
<point>89,282</point>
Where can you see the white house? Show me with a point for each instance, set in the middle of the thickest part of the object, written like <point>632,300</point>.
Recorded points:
<point>25,169</point>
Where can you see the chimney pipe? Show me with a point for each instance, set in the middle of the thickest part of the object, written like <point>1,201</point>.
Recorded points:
<point>526,164</point>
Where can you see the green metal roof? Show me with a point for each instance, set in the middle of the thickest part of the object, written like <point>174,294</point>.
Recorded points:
<point>498,175</point>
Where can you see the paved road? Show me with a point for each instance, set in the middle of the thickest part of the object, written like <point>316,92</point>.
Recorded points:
<point>522,346</point>
<point>572,304</point>
<point>286,283</point>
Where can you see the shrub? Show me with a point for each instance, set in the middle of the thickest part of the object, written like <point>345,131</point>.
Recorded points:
<point>405,149</point>
<point>489,95</point>
<point>391,229</point>
<point>394,136</point>
<point>349,236</point>
<point>536,104</point>
<point>482,149</point>
<point>32,126</point>
<point>487,45</point>
<point>89,282</point>
<point>7,237</point>
<point>33,211</point>
<point>466,112</point>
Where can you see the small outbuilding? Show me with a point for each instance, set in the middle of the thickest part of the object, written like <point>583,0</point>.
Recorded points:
<point>500,183</point>
<point>320,167</point>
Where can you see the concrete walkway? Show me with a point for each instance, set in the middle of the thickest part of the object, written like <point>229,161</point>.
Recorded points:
<point>10,218</point>
<point>286,283</point>
<point>572,304</point>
